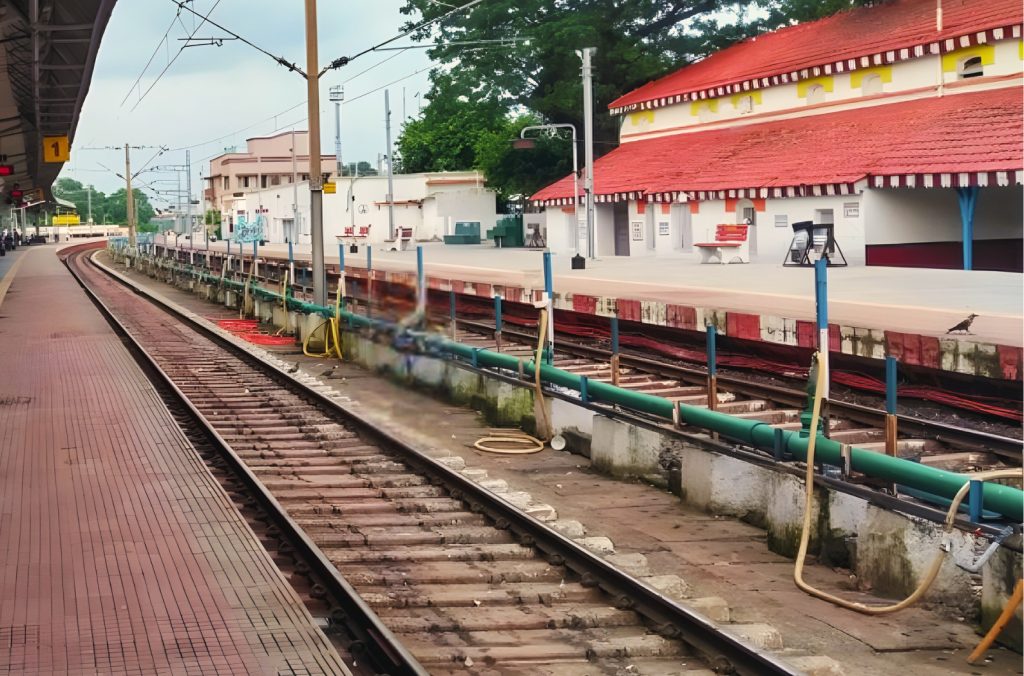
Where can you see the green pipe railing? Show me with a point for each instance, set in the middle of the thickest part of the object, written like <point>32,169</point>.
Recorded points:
<point>1005,500</point>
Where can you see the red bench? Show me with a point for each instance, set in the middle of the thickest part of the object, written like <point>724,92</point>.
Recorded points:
<point>730,244</point>
<point>356,231</point>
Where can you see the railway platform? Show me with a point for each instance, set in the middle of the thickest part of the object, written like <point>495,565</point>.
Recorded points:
<point>121,552</point>
<point>873,311</point>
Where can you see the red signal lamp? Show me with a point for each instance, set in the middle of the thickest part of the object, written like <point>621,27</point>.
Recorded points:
<point>17,194</point>
<point>6,170</point>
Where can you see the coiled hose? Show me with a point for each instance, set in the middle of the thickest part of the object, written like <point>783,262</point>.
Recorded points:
<point>517,442</point>
<point>805,534</point>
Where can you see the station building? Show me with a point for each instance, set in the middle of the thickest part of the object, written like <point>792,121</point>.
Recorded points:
<point>426,206</point>
<point>899,123</point>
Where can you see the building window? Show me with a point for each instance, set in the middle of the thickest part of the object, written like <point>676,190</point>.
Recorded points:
<point>227,183</point>
<point>823,216</point>
<point>275,180</point>
<point>745,105</point>
<point>971,67</point>
<point>245,181</point>
<point>872,84</point>
<point>263,181</point>
<point>749,216</point>
<point>781,221</point>
<point>305,177</point>
<point>815,94</point>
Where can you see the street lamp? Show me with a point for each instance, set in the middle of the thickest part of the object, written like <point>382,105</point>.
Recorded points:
<point>577,261</point>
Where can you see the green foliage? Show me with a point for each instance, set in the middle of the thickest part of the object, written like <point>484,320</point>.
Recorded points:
<point>482,96</point>
<point>105,208</point>
<point>212,217</point>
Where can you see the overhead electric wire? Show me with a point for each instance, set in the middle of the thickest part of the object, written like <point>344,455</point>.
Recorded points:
<point>384,86</point>
<point>177,17</point>
<point>279,59</point>
<point>170,63</point>
<point>344,60</point>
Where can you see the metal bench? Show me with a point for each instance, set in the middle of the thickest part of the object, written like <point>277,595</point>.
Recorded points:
<point>730,245</point>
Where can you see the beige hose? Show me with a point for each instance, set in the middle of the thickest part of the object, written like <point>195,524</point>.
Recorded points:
<point>515,442</point>
<point>805,535</point>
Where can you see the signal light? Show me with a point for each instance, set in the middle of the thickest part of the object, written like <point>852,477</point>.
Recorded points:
<point>17,194</point>
<point>6,169</point>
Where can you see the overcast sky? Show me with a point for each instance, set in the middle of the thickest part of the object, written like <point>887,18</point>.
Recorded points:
<point>219,96</point>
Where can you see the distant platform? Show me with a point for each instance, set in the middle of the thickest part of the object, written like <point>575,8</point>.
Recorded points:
<point>874,310</point>
<point>121,552</point>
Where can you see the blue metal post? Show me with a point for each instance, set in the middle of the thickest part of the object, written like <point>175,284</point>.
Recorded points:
<point>712,338</point>
<point>255,252</point>
<point>291,262</point>
<point>890,385</point>
<point>341,275</point>
<point>821,307</point>
<point>974,500</point>
<point>369,281</point>
<point>421,287</point>
<point>497,314</point>
<point>968,198</point>
<point>549,292</point>
<point>615,335</point>
<point>451,311</point>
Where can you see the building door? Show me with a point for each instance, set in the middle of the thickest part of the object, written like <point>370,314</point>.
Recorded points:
<point>749,216</point>
<point>682,227</point>
<point>621,220</point>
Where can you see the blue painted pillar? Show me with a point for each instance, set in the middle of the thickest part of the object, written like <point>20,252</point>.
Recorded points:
<point>549,291</point>
<point>421,286</point>
<point>968,198</point>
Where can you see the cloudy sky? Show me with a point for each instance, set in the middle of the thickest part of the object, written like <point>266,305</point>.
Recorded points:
<point>211,98</point>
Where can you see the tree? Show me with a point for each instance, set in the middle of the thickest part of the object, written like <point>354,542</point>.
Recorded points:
<point>117,209</point>
<point>478,91</point>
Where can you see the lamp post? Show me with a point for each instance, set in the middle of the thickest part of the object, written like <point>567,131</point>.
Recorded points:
<point>337,95</point>
<point>553,129</point>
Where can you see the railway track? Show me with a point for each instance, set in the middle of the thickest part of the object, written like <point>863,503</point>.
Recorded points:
<point>419,567</point>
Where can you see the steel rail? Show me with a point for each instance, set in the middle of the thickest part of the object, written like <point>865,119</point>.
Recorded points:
<point>373,642</point>
<point>727,652</point>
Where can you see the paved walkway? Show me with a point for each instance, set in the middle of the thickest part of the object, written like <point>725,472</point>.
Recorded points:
<point>120,552</point>
<point>910,300</point>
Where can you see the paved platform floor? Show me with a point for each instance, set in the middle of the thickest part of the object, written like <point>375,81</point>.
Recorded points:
<point>910,300</point>
<point>119,551</point>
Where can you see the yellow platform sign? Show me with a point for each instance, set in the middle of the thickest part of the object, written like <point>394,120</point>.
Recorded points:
<point>56,149</point>
<point>330,188</point>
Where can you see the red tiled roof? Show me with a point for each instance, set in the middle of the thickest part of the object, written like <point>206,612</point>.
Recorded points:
<point>961,133</point>
<point>867,31</point>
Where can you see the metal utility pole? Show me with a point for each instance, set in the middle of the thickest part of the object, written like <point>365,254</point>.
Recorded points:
<point>588,143</point>
<point>90,203</point>
<point>295,193</point>
<point>391,164</point>
<point>188,190</point>
<point>316,189</point>
<point>337,95</point>
<point>129,200</point>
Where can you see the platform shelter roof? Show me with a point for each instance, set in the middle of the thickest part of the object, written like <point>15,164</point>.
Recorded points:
<point>959,139</point>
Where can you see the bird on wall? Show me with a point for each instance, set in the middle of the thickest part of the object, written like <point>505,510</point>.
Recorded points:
<point>965,325</point>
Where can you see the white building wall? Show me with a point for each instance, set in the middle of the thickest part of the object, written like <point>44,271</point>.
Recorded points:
<point>916,215</point>
<point>604,231</point>
<point>904,76</point>
<point>362,201</point>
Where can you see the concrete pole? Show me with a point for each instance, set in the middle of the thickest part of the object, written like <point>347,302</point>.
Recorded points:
<point>188,191</point>
<point>295,192</point>
<point>391,164</point>
<point>575,192</point>
<point>316,188</point>
<point>129,199</point>
<point>90,203</point>
<point>588,134</point>
<point>339,97</point>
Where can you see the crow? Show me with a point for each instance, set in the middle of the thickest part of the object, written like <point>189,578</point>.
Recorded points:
<point>965,325</point>
<point>294,369</point>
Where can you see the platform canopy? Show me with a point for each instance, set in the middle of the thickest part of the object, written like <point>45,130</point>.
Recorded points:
<point>957,140</point>
<point>47,54</point>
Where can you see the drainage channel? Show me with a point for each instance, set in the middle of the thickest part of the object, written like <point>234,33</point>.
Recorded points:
<point>464,580</point>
